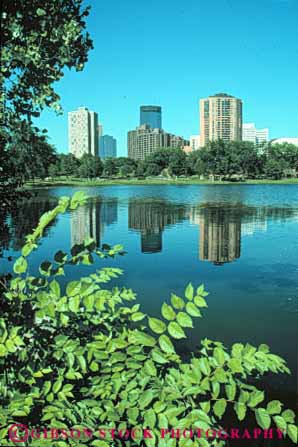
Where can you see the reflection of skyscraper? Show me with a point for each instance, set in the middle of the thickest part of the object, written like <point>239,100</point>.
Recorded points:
<point>109,211</point>
<point>150,218</point>
<point>151,242</point>
<point>85,223</point>
<point>220,234</point>
<point>89,221</point>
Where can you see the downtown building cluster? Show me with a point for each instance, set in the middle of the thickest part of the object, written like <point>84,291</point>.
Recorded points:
<point>221,118</point>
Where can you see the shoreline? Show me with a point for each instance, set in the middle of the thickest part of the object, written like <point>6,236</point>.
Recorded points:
<point>105,182</point>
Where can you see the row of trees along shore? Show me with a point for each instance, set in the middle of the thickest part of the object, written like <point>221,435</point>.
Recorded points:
<point>235,160</point>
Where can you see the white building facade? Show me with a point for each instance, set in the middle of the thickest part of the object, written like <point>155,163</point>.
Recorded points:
<point>83,132</point>
<point>195,142</point>
<point>254,135</point>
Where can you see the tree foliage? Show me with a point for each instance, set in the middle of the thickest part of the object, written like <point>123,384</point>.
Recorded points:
<point>90,166</point>
<point>81,354</point>
<point>39,38</point>
<point>29,153</point>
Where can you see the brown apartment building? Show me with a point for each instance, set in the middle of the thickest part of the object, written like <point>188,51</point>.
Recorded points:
<point>220,118</point>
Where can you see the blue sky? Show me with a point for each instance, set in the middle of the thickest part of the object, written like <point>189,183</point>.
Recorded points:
<point>171,53</point>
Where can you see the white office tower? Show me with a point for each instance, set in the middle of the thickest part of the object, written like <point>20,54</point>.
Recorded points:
<point>83,132</point>
<point>254,135</point>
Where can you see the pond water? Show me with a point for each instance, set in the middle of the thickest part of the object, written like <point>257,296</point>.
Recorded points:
<point>239,240</point>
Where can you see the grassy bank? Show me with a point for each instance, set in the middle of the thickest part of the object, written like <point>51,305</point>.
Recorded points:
<point>152,181</point>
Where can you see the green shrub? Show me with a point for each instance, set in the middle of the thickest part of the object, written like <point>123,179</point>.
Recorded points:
<point>82,357</point>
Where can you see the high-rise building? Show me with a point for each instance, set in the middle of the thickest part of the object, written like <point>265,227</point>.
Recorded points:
<point>254,135</point>
<point>83,132</point>
<point>100,130</point>
<point>107,147</point>
<point>145,140</point>
<point>151,116</point>
<point>195,142</point>
<point>220,118</point>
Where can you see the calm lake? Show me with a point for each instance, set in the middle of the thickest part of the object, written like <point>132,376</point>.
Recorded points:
<point>239,240</point>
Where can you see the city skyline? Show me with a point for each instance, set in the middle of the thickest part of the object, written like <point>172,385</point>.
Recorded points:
<point>134,66</point>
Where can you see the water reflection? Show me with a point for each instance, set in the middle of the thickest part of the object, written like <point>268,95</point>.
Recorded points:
<point>90,220</point>
<point>22,219</point>
<point>221,228</point>
<point>221,225</point>
<point>150,218</point>
<point>220,233</point>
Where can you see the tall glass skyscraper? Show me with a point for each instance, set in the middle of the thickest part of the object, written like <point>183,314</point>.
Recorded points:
<point>107,146</point>
<point>151,115</point>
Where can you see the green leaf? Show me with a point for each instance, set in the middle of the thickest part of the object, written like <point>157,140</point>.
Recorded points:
<point>204,366</point>
<point>189,292</point>
<point>137,316</point>
<point>74,304</point>
<point>145,398</point>
<point>177,302</point>
<point>149,367</point>
<point>184,320</point>
<point>292,433</point>
<point>240,410</point>
<point>255,398</point>
<point>132,414</point>
<point>205,406</point>
<point>20,265</point>
<point>274,407</point>
<point>168,312</point>
<point>263,419</point>
<point>280,422</point>
<point>156,325</point>
<point>73,288</point>
<point>79,198</point>
<point>235,365</point>
<point>200,289</point>
<point>99,443</point>
<point>200,301</point>
<point>144,339</point>
<point>158,356</point>
<point>231,391</point>
<point>57,386</point>
<point>176,331</point>
<point>55,288</point>
<point>192,309</point>
<point>237,349</point>
<point>220,407</point>
<point>27,249</point>
<point>158,406</point>
<point>149,418</point>
<point>202,416</point>
<point>289,416</point>
<point>166,344</point>
<point>219,355</point>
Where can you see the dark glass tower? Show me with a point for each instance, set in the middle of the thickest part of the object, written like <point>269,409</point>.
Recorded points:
<point>151,115</point>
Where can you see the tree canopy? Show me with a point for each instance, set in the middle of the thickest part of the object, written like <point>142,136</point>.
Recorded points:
<point>39,38</point>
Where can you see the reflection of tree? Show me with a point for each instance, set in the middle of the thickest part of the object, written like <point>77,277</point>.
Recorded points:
<point>25,216</point>
<point>89,220</point>
<point>221,226</point>
<point>151,217</point>
<point>4,231</point>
